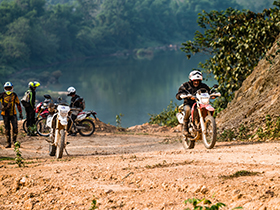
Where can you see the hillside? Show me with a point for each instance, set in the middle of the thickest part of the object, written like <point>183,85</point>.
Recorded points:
<point>259,96</point>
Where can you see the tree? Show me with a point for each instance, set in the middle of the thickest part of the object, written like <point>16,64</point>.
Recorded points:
<point>13,44</point>
<point>236,41</point>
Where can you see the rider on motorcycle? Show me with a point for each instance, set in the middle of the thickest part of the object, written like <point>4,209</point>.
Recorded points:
<point>190,87</point>
<point>75,103</point>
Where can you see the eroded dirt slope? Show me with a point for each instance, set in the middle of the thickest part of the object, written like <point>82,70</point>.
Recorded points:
<point>259,96</point>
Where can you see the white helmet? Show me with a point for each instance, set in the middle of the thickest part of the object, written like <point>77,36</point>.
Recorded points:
<point>195,75</point>
<point>8,88</point>
<point>71,91</point>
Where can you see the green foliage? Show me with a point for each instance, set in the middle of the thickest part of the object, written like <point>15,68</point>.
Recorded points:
<point>271,129</point>
<point>236,41</point>
<point>166,117</point>
<point>32,130</point>
<point>2,129</point>
<point>36,32</point>
<point>240,173</point>
<point>206,204</point>
<point>93,204</point>
<point>243,132</point>
<point>6,158</point>
<point>119,120</point>
<point>18,159</point>
<point>227,135</point>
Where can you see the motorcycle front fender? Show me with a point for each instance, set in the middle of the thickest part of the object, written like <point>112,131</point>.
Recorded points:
<point>207,107</point>
<point>63,120</point>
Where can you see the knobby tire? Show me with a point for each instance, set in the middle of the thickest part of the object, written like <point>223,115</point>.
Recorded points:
<point>88,129</point>
<point>42,128</point>
<point>209,140</point>
<point>60,144</point>
<point>52,150</point>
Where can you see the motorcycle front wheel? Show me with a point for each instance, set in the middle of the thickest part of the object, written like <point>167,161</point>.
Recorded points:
<point>87,127</point>
<point>42,128</point>
<point>52,150</point>
<point>60,144</point>
<point>210,136</point>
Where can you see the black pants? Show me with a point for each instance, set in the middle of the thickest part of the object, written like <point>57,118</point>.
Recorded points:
<point>8,120</point>
<point>30,116</point>
<point>73,117</point>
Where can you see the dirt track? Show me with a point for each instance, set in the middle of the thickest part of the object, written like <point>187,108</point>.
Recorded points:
<point>152,171</point>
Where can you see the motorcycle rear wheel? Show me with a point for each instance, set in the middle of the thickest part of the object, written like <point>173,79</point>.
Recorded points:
<point>187,142</point>
<point>42,128</point>
<point>88,127</point>
<point>60,145</point>
<point>210,137</point>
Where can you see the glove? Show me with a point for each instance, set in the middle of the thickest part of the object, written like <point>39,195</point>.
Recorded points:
<point>182,96</point>
<point>185,96</point>
<point>20,116</point>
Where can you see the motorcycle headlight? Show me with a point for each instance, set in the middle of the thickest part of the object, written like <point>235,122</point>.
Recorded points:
<point>205,100</point>
<point>63,113</point>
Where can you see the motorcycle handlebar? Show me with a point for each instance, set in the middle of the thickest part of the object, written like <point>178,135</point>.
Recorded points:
<point>215,95</point>
<point>75,109</point>
<point>190,96</point>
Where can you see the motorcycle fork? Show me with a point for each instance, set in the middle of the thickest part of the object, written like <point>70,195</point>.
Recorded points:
<point>58,128</point>
<point>203,129</point>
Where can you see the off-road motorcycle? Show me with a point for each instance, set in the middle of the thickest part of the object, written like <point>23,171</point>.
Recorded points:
<point>58,130</point>
<point>201,125</point>
<point>83,123</point>
<point>42,113</point>
<point>58,121</point>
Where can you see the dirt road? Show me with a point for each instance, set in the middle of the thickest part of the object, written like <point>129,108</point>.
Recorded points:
<point>140,171</point>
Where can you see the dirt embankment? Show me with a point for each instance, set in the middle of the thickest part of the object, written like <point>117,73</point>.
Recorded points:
<point>258,97</point>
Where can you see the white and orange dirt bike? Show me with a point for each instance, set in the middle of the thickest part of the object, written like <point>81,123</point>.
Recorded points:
<point>202,124</point>
<point>58,121</point>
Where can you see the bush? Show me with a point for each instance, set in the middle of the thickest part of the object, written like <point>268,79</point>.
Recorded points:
<point>166,117</point>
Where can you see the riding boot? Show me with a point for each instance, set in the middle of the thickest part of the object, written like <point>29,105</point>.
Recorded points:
<point>186,129</point>
<point>8,138</point>
<point>14,138</point>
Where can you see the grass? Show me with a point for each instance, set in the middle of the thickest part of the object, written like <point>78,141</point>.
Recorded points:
<point>201,204</point>
<point>164,164</point>
<point>6,158</point>
<point>241,173</point>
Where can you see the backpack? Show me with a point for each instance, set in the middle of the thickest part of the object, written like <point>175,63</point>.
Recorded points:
<point>25,101</point>
<point>83,104</point>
